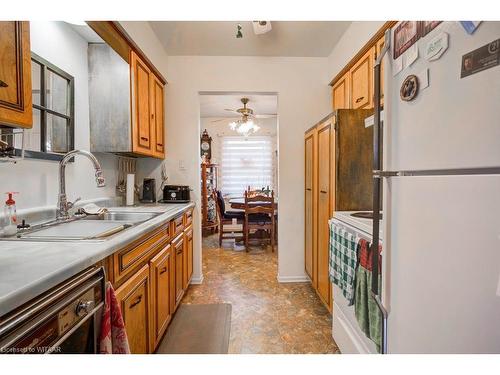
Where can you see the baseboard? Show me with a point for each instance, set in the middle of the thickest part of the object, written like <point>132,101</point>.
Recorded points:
<point>197,280</point>
<point>294,279</point>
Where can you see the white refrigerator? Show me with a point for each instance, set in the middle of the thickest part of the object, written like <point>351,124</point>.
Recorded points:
<point>441,263</point>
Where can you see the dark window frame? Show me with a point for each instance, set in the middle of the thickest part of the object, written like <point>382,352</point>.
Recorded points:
<point>70,118</point>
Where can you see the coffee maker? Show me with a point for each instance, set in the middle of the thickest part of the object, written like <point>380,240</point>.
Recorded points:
<point>149,191</point>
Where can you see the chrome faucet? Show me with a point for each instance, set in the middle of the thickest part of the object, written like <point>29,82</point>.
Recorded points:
<point>62,203</point>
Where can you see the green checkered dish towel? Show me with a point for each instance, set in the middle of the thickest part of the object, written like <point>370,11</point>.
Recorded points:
<point>343,260</point>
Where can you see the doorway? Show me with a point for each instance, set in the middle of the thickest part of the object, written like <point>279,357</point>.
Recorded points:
<point>238,157</point>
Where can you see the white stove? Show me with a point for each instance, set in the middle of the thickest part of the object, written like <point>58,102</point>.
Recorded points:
<point>345,329</point>
<point>360,224</point>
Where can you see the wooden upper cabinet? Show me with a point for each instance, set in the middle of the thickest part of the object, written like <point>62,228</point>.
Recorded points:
<point>341,99</point>
<point>361,81</point>
<point>157,116</point>
<point>378,49</point>
<point>133,298</point>
<point>15,74</point>
<point>142,126</point>
<point>162,293</point>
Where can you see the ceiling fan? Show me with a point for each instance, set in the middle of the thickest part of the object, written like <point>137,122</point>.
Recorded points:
<point>245,125</point>
<point>245,111</point>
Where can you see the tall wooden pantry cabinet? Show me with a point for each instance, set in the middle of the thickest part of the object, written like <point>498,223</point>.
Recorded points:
<point>319,199</point>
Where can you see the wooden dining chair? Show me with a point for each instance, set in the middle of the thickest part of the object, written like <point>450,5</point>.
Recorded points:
<point>259,215</point>
<point>226,218</point>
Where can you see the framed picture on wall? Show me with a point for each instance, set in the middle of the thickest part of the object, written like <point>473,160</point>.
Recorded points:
<point>405,35</point>
<point>427,26</point>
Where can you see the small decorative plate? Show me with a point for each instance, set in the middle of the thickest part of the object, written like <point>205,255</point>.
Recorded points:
<point>409,88</point>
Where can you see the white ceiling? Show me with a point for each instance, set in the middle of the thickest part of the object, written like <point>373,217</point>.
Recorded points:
<point>86,33</point>
<point>215,105</point>
<point>218,38</point>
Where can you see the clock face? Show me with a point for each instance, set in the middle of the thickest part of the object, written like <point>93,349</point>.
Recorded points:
<point>205,146</point>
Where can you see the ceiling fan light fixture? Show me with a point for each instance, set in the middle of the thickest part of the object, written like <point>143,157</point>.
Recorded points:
<point>245,125</point>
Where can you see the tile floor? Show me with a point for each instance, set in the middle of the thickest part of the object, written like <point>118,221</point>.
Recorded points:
<point>267,317</point>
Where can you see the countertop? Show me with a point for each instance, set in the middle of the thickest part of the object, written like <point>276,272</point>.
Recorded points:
<point>29,268</point>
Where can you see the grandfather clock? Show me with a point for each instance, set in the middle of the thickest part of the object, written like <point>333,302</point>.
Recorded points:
<point>206,146</point>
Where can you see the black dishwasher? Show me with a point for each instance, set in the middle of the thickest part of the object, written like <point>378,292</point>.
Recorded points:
<point>66,319</point>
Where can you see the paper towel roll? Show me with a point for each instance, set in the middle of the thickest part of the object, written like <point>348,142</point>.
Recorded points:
<point>130,189</point>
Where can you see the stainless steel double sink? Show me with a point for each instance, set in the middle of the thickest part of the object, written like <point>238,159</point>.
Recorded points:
<point>85,228</point>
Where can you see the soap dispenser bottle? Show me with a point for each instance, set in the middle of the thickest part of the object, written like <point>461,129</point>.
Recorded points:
<point>10,216</point>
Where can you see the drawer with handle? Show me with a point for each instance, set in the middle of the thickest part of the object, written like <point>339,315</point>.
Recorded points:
<point>177,225</point>
<point>128,259</point>
<point>188,218</point>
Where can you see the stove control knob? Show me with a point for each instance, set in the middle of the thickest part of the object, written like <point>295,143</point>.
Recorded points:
<point>84,307</point>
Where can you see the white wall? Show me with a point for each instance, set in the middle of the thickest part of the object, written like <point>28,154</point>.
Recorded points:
<point>353,39</point>
<point>37,180</point>
<point>303,99</point>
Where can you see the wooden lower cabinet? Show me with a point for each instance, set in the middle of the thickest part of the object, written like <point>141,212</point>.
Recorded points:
<point>150,277</point>
<point>188,256</point>
<point>162,293</point>
<point>178,249</point>
<point>134,301</point>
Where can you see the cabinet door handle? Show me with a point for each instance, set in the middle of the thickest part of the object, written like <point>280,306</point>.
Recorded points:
<point>163,270</point>
<point>145,138</point>
<point>159,144</point>
<point>136,302</point>
<point>359,99</point>
<point>308,189</point>
<point>323,191</point>
<point>3,84</point>
<point>179,251</point>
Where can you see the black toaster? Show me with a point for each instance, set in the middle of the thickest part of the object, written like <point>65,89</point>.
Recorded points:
<point>176,194</point>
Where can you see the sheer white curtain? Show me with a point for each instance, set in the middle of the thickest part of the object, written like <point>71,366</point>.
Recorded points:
<point>246,162</point>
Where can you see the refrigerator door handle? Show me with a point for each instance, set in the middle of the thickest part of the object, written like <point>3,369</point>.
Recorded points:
<point>438,172</point>
<point>377,188</point>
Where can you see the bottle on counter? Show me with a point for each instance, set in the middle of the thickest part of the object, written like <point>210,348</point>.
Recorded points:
<point>10,216</point>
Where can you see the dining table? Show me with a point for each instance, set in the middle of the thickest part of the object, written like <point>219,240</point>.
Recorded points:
<point>239,203</point>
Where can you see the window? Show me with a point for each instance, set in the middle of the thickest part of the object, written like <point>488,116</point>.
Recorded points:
<point>246,162</point>
<point>52,134</point>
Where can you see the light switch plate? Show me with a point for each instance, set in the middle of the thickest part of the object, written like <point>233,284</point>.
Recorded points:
<point>182,166</point>
<point>423,79</point>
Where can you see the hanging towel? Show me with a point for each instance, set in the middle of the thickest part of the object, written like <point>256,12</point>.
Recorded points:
<point>113,338</point>
<point>343,260</point>
<point>366,310</point>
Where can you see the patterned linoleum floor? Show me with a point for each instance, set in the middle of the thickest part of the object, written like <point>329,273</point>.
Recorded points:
<point>267,317</point>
